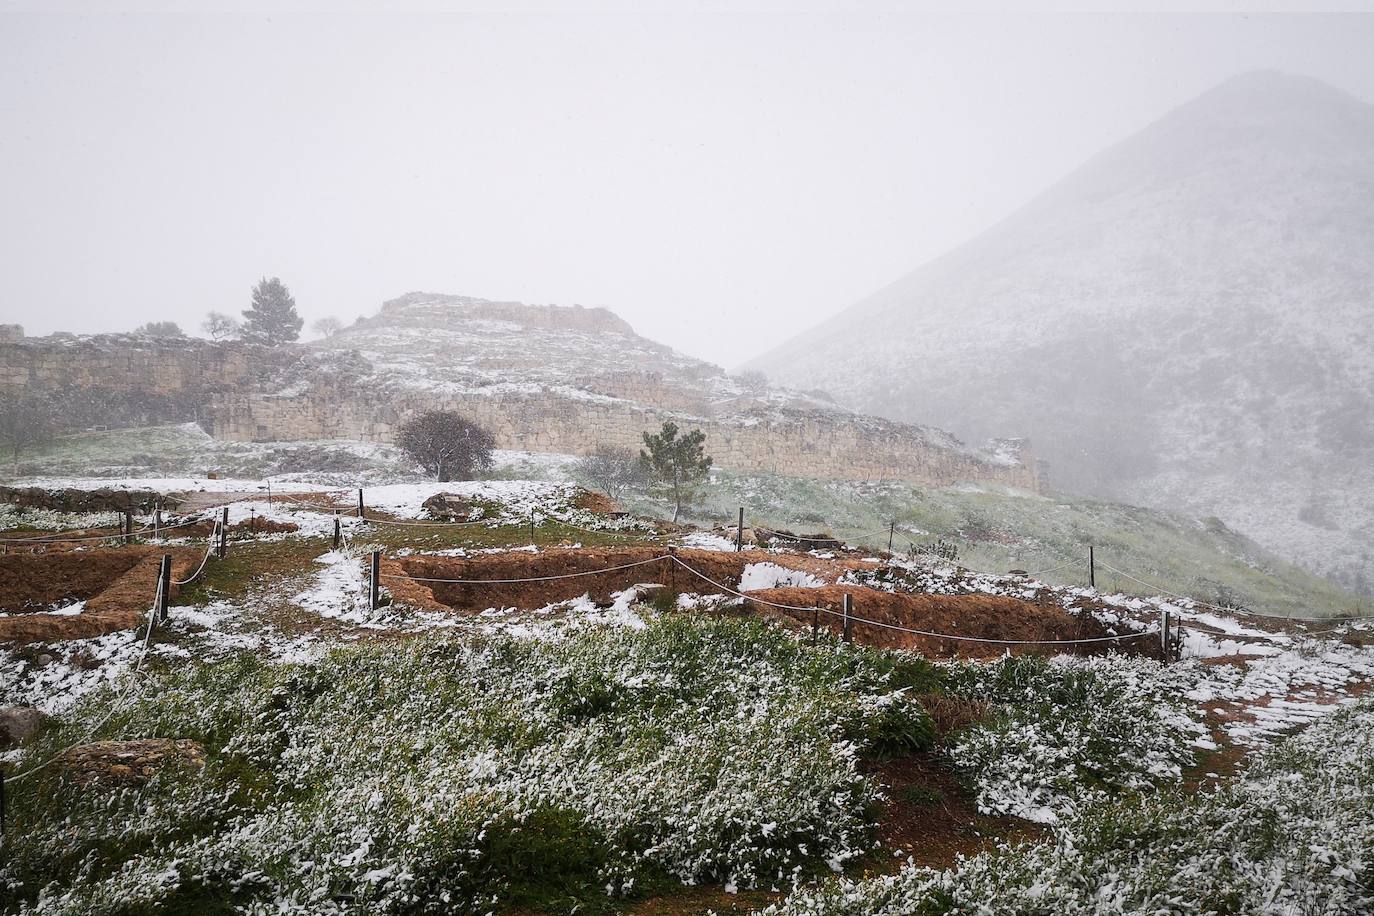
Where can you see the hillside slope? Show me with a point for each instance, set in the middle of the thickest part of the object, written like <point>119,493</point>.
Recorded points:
<point>1186,320</point>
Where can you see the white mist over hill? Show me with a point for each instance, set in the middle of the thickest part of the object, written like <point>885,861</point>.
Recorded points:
<point>1188,319</point>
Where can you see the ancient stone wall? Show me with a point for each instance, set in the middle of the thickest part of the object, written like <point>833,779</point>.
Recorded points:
<point>244,392</point>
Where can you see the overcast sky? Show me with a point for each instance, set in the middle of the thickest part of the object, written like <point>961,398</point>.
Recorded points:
<point>721,180</point>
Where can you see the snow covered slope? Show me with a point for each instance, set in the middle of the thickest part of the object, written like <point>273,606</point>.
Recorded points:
<point>1187,319</point>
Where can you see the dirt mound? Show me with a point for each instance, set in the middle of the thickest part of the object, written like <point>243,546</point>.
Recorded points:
<point>971,616</point>
<point>592,501</point>
<point>127,763</point>
<point>120,602</point>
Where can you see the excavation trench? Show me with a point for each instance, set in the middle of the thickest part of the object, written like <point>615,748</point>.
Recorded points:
<point>117,585</point>
<point>557,575</point>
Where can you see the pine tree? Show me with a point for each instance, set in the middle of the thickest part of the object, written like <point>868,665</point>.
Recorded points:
<point>272,319</point>
<point>678,462</point>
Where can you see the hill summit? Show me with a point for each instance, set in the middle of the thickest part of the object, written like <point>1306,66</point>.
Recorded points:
<point>1187,319</point>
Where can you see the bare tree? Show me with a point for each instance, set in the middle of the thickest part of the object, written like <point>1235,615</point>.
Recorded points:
<point>26,422</point>
<point>446,444</point>
<point>220,326</point>
<point>327,327</point>
<point>753,382</point>
<point>612,470</point>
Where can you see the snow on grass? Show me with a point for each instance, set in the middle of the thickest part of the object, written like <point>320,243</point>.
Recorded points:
<point>422,770</point>
<point>1293,836</point>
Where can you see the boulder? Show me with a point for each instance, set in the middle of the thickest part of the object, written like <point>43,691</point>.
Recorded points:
<point>448,507</point>
<point>18,724</point>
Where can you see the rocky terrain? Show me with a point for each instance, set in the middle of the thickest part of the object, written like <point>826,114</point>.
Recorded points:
<point>1186,320</point>
<point>541,378</point>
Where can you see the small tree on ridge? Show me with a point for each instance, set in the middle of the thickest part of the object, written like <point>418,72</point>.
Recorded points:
<point>272,318</point>
<point>676,461</point>
<point>446,444</point>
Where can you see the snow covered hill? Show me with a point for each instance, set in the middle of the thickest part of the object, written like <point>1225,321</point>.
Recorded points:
<point>1186,320</point>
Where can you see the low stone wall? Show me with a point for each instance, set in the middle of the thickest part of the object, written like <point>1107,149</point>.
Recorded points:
<point>793,444</point>
<point>244,392</point>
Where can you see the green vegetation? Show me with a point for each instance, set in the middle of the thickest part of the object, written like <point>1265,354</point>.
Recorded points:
<point>676,462</point>
<point>556,774</point>
<point>567,774</point>
<point>1293,836</point>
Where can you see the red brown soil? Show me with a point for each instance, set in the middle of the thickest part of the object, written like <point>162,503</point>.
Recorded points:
<point>943,824</point>
<point>982,616</point>
<point>973,616</point>
<point>592,501</point>
<point>117,584</point>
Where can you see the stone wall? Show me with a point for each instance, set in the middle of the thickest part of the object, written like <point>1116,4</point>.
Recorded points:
<point>244,392</point>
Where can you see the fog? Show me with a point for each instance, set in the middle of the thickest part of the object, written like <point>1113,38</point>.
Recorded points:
<point>720,180</point>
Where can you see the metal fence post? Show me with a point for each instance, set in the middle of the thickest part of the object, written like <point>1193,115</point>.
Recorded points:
<point>848,617</point>
<point>374,590</point>
<point>164,583</point>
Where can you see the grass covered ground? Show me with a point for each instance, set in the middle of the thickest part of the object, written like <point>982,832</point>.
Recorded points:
<point>1293,836</point>
<point>997,529</point>
<point>575,773</point>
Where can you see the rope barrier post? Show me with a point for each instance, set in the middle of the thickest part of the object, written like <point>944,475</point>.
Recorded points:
<point>891,533</point>
<point>157,520</point>
<point>128,526</point>
<point>374,587</point>
<point>1164,635</point>
<point>361,510</point>
<point>1092,568</point>
<point>224,534</point>
<point>338,533</point>
<point>672,568</point>
<point>739,532</point>
<point>848,617</point>
<point>253,523</point>
<point>816,625</point>
<point>164,587</point>
<point>531,526</point>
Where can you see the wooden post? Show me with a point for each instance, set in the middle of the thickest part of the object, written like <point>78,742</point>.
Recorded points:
<point>128,526</point>
<point>360,503</point>
<point>374,588</point>
<point>672,569</point>
<point>224,534</point>
<point>815,625</point>
<point>157,521</point>
<point>164,578</point>
<point>1092,568</point>
<point>891,533</point>
<point>531,526</point>
<point>338,533</point>
<point>848,618</point>
<point>739,532</point>
<point>1164,635</point>
<point>253,523</point>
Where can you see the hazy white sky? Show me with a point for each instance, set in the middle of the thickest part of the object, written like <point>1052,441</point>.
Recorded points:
<point>721,180</point>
